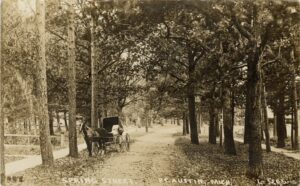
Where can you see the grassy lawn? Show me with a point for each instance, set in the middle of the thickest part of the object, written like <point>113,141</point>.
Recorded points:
<point>208,162</point>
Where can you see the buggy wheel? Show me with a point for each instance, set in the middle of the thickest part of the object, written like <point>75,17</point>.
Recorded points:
<point>95,148</point>
<point>127,142</point>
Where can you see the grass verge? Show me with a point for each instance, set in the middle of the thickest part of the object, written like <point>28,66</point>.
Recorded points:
<point>208,162</point>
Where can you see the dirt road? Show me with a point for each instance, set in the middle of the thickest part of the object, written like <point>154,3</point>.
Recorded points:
<point>147,161</point>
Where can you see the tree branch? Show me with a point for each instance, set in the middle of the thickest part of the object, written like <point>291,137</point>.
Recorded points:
<point>176,77</point>
<point>64,39</point>
<point>239,27</point>
<point>268,62</point>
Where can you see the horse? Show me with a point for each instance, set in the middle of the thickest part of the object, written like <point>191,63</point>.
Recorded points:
<point>101,136</point>
<point>88,134</point>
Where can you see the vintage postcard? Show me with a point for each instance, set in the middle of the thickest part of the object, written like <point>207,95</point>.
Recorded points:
<point>149,92</point>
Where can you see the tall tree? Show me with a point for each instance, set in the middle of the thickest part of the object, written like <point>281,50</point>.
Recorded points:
<point>228,118</point>
<point>281,127</point>
<point>192,51</point>
<point>212,131</point>
<point>265,118</point>
<point>295,67</point>
<point>2,162</point>
<point>247,116</point>
<point>73,149</point>
<point>191,97</point>
<point>45,144</point>
<point>94,118</point>
<point>51,123</point>
<point>257,42</point>
<point>58,121</point>
<point>65,120</point>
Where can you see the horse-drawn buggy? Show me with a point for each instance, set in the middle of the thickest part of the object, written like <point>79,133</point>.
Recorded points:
<point>111,136</point>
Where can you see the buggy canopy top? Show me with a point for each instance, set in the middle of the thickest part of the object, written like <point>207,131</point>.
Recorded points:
<point>108,123</point>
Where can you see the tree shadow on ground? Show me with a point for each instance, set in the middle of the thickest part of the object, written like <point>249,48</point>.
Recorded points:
<point>207,161</point>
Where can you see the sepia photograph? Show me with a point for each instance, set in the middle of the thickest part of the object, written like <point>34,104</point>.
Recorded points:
<point>149,92</point>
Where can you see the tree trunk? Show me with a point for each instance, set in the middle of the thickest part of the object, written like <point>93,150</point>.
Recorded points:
<point>94,118</point>
<point>192,121</point>
<point>29,125</point>
<point>2,161</point>
<point>25,127</point>
<point>295,96</point>
<point>294,132</point>
<point>265,118</point>
<point>292,129</point>
<point>45,144</point>
<point>221,129</point>
<point>31,119</point>
<point>281,123</point>
<point>120,113</point>
<point>247,117</point>
<point>228,111</point>
<point>275,125</point>
<point>35,125</point>
<point>184,132</point>
<point>187,121</point>
<point>191,102</point>
<point>254,114</point>
<point>217,125</point>
<point>73,148</point>
<point>212,138</point>
<point>58,121</point>
<point>199,122</point>
<point>66,121</point>
<point>147,123</point>
<point>51,123</point>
